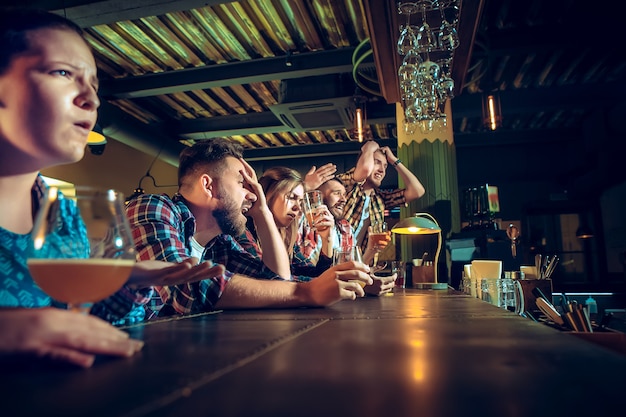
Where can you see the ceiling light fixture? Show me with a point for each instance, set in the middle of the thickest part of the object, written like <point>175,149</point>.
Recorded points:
<point>96,140</point>
<point>96,136</point>
<point>584,232</point>
<point>360,131</point>
<point>492,112</point>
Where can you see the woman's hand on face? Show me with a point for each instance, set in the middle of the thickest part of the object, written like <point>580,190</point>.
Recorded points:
<point>61,336</point>
<point>150,273</point>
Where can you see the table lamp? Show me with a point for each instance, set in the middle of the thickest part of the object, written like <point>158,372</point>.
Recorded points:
<point>423,224</point>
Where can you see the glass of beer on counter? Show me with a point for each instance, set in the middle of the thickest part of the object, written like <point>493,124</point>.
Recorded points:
<point>347,254</point>
<point>83,249</point>
<point>378,232</point>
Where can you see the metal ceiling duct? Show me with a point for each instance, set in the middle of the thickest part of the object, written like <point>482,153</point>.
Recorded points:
<point>129,131</point>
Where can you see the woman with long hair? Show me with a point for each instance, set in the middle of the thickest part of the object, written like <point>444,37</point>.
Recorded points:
<point>284,191</point>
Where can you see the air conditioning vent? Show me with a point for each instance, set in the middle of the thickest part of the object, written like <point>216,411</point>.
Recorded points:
<point>316,103</point>
<point>335,113</point>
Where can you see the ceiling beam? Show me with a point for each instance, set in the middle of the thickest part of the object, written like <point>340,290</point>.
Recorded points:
<point>87,13</point>
<point>503,137</point>
<point>237,73</point>
<point>308,151</point>
<point>568,97</point>
<point>241,124</point>
<point>469,21</point>
<point>382,26</point>
<point>504,42</point>
<point>464,106</point>
<point>257,123</point>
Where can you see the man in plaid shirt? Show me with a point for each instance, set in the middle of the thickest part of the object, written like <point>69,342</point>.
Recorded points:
<point>334,195</point>
<point>366,202</point>
<point>216,188</point>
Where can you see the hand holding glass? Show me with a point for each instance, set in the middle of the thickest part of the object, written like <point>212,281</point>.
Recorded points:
<point>352,253</point>
<point>312,202</point>
<point>83,249</point>
<point>348,254</point>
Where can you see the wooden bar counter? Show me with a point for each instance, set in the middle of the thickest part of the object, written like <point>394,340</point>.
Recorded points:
<point>416,353</point>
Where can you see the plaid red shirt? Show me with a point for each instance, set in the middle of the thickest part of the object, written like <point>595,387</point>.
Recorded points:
<point>302,267</point>
<point>162,229</point>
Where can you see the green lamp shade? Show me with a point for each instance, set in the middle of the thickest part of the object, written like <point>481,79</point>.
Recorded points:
<point>416,225</point>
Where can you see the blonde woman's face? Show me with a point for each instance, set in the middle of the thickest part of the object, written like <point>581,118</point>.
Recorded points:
<point>287,207</point>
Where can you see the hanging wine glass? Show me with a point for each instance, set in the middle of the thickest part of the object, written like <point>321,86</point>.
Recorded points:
<point>412,59</point>
<point>425,41</point>
<point>447,38</point>
<point>426,86</point>
<point>407,7</point>
<point>428,78</point>
<point>408,70</point>
<point>441,122</point>
<point>446,88</point>
<point>413,111</point>
<point>406,39</point>
<point>409,127</point>
<point>426,125</point>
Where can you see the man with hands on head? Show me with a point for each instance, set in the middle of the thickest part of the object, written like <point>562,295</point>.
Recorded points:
<point>366,202</point>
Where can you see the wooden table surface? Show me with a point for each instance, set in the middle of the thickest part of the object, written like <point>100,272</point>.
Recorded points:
<point>416,353</point>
